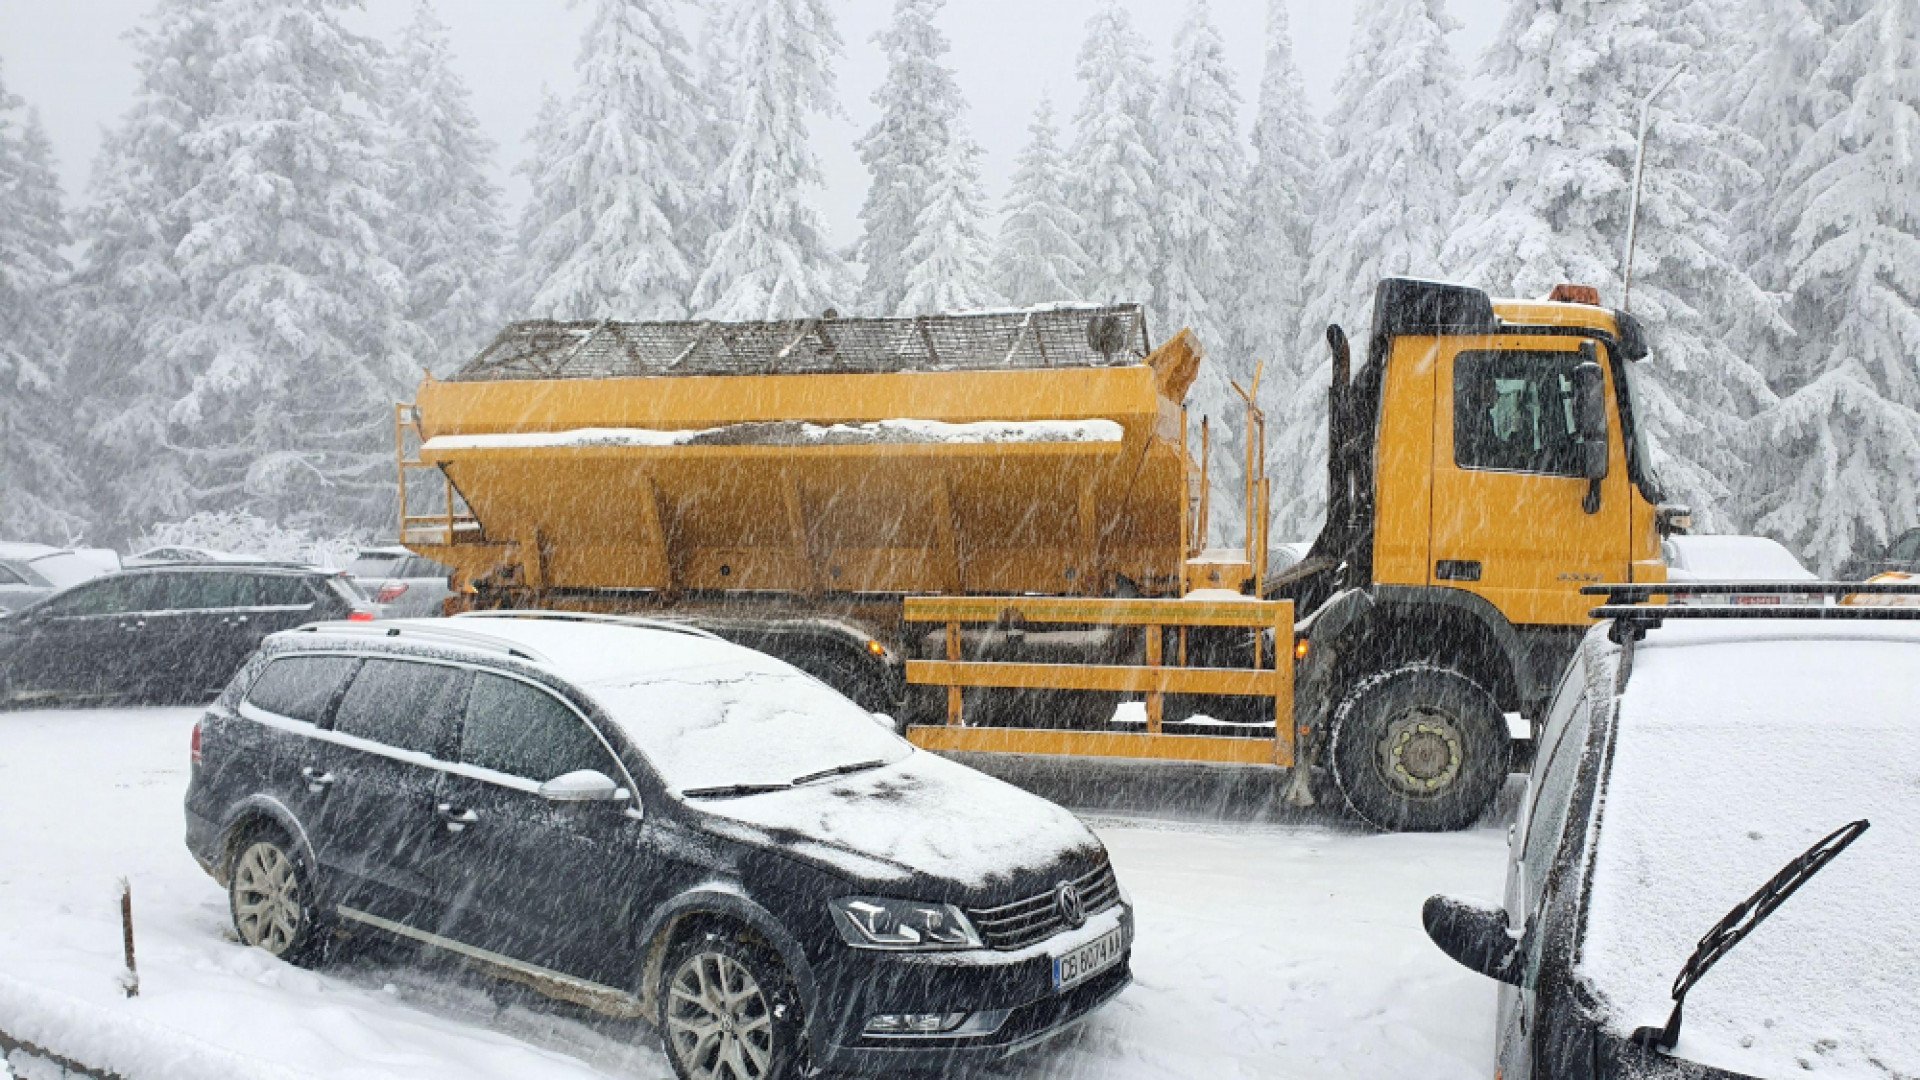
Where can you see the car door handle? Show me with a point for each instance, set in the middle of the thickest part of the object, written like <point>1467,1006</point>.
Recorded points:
<point>132,626</point>
<point>457,820</point>
<point>317,781</point>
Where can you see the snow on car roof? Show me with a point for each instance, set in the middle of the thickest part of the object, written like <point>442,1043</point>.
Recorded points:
<point>1737,747</point>
<point>1734,558</point>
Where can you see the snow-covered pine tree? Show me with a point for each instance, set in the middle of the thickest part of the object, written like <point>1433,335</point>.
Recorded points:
<point>1840,451</point>
<point>1271,245</point>
<point>542,209</point>
<point>1038,257</point>
<point>294,304</point>
<point>128,297</point>
<point>1202,174</point>
<point>1393,147</point>
<point>919,134</point>
<point>616,198</point>
<point>38,495</point>
<point>447,235</point>
<point>1113,186</point>
<point>948,263</point>
<point>1548,190</point>
<point>771,260</point>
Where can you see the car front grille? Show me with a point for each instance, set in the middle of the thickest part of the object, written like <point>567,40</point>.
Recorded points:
<point>1037,918</point>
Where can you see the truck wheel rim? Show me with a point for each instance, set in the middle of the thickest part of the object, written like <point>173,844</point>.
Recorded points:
<point>266,898</point>
<point>718,1020</point>
<point>1422,752</point>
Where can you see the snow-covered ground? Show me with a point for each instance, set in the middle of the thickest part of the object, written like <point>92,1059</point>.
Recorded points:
<point>1269,945</point>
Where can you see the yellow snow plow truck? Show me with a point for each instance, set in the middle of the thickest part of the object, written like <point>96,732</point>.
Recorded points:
<point>990,524</point>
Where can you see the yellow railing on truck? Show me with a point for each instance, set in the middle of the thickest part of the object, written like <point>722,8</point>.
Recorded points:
<point>1155,678</point>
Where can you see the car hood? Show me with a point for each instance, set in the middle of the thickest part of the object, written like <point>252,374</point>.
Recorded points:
<point>956,834</point>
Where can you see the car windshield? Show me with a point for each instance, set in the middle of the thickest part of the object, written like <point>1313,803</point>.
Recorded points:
<point>743,719</point>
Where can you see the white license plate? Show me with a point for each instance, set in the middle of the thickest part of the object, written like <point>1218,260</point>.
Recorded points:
<point>1089,960</point>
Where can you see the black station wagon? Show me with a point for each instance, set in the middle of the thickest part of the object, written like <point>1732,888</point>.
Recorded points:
<point>651,821</point>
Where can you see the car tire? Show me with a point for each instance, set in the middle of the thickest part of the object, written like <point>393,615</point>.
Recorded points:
<point>728,1011</point>
<point>271,898</point>
<point>1419,748</point>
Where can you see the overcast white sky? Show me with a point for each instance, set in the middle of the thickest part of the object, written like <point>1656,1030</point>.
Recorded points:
<point>69,58</point>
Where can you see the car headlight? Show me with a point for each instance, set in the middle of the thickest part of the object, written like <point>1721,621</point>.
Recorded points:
<point>872,922</point>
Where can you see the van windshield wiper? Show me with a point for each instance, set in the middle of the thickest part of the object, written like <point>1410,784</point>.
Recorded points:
<point>729,791</point>
<point>1739,922</point>
<point>839,770</point>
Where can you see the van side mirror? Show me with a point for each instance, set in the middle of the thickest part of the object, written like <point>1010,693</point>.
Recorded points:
<point>1475,936</point>
<point>1590,423</point>
<point>583,785</point>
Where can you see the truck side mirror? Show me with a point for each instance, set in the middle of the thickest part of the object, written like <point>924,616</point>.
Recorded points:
<point>1590,421</point>
<point>1476,937</point>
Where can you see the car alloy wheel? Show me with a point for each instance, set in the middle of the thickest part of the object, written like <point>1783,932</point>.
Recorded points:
<point>719,1021</point>
<point>267,908</point>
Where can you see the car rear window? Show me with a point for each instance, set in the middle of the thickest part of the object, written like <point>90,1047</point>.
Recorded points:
<point>400,703</point>
<point>524,731</point>
<point>375,564</point>
<point>299,687</point>
<point>279,590</point>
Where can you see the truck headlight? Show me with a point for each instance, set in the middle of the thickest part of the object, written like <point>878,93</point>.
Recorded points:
<point>872,922</point>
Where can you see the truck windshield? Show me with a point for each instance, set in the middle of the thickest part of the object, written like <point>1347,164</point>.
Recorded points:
<point>1640,459</point>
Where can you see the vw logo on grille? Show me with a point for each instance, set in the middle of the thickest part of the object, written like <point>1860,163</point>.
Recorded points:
<point>1072,909</point>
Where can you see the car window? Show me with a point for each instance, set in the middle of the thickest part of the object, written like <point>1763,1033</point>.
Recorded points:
<point>1514,412</point>
<point>401,703</point>
<point>299,687</point>
<point>1552,791</point>
<point>110,596</point>
<point>1907,547</point>
<point>522,730</point>
<point>278,590</point>
<point>8,577</point>
<point>201,592</point>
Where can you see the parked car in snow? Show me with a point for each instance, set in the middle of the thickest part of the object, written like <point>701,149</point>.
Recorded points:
<point>29,572</point>
<point>1900,556</point>
<point>1692,559</point>
<point>404,584</point>
<point>1688,783</point>
<point>164,633</point>
<point>644,817</point>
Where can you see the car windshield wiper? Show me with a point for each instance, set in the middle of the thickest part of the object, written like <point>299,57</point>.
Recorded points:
<point>1740,922</point>
<point>730,791</point>
<point>838,770</point>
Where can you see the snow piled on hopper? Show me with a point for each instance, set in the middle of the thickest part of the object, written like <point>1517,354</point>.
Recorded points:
<point>794,433</point>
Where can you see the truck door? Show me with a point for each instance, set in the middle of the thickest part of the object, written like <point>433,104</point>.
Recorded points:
<point>1508,491</point>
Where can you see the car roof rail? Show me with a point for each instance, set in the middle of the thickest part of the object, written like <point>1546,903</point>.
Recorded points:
<point>1633,613</point>
<point>444,635</point>
<point>633,621</point>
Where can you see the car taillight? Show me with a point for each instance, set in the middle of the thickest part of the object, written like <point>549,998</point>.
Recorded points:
<point>194,746</point>
<point>391,591</point>
<point>360,615</point>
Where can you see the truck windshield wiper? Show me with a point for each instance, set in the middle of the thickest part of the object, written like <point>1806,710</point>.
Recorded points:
<point>729,791</point>
<point>838,770</point>
<point>1739,922</point>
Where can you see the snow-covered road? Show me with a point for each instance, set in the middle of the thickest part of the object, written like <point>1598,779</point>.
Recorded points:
<point>1279,949</point>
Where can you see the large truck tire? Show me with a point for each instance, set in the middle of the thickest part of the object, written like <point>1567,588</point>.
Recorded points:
<point>1419,748</point>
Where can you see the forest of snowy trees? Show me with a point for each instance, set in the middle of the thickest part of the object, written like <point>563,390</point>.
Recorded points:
<point>292,221</point>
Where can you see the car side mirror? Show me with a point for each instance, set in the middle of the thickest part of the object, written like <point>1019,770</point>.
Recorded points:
<point>583,785</point>
<point>1475,936</point>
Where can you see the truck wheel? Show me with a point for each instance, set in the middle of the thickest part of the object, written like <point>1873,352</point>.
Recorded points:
<point>1420,748</point>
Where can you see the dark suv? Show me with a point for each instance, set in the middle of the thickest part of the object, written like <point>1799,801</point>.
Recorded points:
<point>165,633</point>
<point>651,821</point>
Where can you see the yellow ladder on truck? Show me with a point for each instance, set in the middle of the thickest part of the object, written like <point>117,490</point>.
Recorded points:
<point>453,521</point>
<point>1155,678</point>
